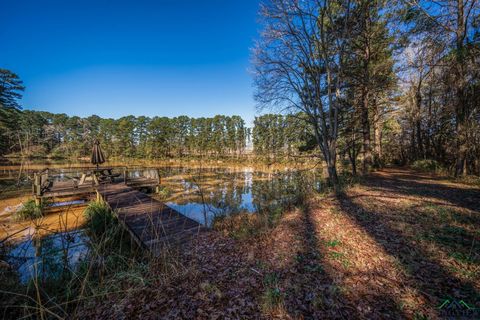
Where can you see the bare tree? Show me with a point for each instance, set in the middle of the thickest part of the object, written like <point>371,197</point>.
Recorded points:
<point>299,65</point>
<point>454,24</point>
<point>419,60</point>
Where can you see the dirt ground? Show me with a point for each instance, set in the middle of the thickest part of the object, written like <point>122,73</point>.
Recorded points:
<point>398,245</point>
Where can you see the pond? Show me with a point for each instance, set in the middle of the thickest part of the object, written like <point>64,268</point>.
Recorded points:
<point>57,242</point>
<point>49,256</point>
<point>203,194</point>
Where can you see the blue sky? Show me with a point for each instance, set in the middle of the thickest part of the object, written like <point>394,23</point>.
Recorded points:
<point>115,58</point>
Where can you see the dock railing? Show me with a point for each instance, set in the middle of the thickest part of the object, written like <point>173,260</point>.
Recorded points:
<point>132,173</point>
<point>47,181</point>
<point>41,182</point>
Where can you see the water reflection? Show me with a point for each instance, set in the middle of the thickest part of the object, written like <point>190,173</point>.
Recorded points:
<point>48,257</point>
<point>203,194</point>
<point>199,193</point>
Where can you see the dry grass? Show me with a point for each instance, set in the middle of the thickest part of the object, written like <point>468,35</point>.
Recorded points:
<point>393,246</point>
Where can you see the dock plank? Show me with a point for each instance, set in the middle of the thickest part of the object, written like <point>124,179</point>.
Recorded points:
<point>151,222</point>
<point>68,188</point>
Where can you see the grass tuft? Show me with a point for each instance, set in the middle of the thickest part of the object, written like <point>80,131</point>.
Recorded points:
<point>99,217</point>
<point>29,211</point>
<point>273,296</point>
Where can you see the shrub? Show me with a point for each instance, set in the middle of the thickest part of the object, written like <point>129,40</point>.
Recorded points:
<point>99,217</point>
<point>58,153</point>
<point>427,165</point>
<point>164,192</point>
<point>29,210</point>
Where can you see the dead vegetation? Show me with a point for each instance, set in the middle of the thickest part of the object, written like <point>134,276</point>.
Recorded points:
<point>396,245</point>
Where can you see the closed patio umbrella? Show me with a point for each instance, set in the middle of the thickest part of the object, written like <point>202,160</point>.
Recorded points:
<point>97,154</point>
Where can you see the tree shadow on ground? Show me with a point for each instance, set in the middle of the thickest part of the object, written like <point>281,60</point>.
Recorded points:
<point>410,183</point>
<point>433,281</point>
<point>312,292</point>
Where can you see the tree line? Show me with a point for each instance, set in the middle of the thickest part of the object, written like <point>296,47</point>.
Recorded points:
<point>277,136</point>
<point>366,81</point>
<point>30,133</point>
<point>377,80</point>
<point>37,134</point>
<point>42,134</point>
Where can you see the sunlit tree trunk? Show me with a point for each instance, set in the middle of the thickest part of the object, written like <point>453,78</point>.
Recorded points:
<point>367,152</point>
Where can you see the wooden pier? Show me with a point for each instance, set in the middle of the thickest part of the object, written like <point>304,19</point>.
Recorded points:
<point>150,222</point>
<point>57,183</point>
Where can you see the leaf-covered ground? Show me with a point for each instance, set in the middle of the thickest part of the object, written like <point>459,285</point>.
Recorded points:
<point>395,246</point>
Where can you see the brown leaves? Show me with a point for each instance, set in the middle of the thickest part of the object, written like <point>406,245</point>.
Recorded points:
<point>361,256</point>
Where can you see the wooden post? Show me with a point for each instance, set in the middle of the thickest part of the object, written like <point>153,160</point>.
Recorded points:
<point>125,173</point>
<point>99,196</point>
<point>34,184</point>
<point>95,179</point>
<point>37,185</point>
<point>159,181</point>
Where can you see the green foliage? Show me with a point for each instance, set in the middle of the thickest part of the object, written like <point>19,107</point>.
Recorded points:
<point>427,165</point>
<point>164,192</point>
<point>109,238</point>
<point>333,243</point>
<point>30,210</point>
<point>463,258</point>
<point>100,218</point>
<point>37,133</point>
<point>276,135</point>
<point>10,89</point>
<point>272,296</point>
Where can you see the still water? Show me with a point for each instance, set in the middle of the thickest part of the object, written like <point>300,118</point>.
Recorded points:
<point>49,256</point>
<point>199,193</point>
<point>203,194</point>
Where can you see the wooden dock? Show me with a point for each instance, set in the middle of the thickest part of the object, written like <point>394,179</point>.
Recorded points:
<point>151,223</point>
<point>63,183</point>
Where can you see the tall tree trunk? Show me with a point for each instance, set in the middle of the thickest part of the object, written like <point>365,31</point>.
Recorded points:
<point>328,148</point>
<point>418,131</point>
<point>378,144</point>
<point>377,136</point>
<point>413,144</point>
<point>367,152</point>
<point>461,127</point>
<point>352,155</point>
<point>418,124</point>
<point>332,167</point>
<point>428,148</point>
<point>461,147</point>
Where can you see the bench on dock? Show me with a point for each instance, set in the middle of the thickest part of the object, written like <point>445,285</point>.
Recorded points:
<point>51,183</point>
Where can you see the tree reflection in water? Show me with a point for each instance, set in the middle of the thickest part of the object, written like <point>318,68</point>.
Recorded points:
<point>203,194</point>
<point>48,257</point>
